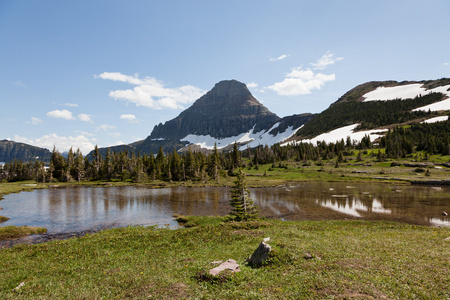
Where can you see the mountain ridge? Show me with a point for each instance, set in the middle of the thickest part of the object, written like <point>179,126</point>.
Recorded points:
<point>229,113</point>
<point>10,151</point>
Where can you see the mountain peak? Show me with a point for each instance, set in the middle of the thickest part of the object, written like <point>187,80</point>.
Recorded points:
<point>228,109</point>
<point>230,93</point>
<point>230,88</point>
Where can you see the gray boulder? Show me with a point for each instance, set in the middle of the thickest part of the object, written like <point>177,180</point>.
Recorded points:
<point>261,253</point>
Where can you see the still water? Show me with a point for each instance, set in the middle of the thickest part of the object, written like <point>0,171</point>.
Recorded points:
<point>83,208</point>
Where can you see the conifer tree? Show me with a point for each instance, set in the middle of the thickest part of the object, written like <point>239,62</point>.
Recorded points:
<point>236,156</point>
<point>79,165</point>
<point>243,207</point>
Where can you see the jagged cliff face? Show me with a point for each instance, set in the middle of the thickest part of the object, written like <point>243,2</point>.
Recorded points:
<point>227,110</point>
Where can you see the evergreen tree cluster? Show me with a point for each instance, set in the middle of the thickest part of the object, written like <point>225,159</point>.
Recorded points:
<point>432,138</point>
<point>126,165</point>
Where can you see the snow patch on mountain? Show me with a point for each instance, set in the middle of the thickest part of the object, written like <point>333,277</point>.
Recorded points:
<point>268,139</point>
<point>250,139</point>
<point>437,106</point>
<point>395,92</point>
<point>342,133</point>
<point>436,119</point>
<point>403,92</point>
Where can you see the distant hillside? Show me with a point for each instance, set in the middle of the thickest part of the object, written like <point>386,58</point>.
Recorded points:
<point>382,104</point>
<point>9,151</point>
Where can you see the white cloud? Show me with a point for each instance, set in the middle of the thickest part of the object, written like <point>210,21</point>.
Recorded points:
<point>252,85</point>
<point>35,121</point>
<point>85,118</point>
<point>151,93</point>
<point>130,118</point>
<point>116,76</point>
<point>62,114</point>
<point>71,104</point>
<point>62,143</point>
<point>300,82</point>
<point>20,83</point>
<point>127,117</point>
<point>283,56</point>
<point>105,127</point>
<point>446,64</point>
<point>326,60</point>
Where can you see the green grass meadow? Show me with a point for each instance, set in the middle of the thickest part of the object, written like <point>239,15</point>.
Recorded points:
<point>351,259</point>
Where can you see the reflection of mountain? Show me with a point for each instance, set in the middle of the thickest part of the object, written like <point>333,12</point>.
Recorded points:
<point>352,206</point>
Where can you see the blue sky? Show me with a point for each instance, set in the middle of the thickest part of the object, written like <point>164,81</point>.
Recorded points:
<point>81,73</point>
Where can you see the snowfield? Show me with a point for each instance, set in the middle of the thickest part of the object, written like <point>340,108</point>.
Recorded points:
<point>410,91</point>
<point>403,92</point>
<point>250,138</point>
<point>342,133</point>
<point>395,92</point>
<point>267,139</point>
<point>436,119</point>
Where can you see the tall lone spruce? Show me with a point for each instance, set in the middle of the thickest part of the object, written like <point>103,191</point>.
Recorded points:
<point>243,207</point>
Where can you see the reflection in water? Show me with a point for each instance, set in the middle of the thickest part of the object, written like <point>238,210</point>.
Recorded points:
<point>82,208</point>
<point>351,207</point>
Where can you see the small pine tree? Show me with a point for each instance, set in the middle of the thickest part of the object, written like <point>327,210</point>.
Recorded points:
<point>243,207</point>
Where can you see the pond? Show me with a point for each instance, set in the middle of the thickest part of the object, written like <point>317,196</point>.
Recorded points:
<point>83,208</point>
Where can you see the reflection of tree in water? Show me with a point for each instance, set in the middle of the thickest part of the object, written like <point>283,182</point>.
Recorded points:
<point>199,201</point>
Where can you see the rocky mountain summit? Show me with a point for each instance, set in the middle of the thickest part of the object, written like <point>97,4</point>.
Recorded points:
<point>227,110</point>
<point>228,113</point>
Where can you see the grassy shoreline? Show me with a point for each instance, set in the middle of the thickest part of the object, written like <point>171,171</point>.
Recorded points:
<point>11,232</point>
<point>359,259</point>
<point>268,175</point>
